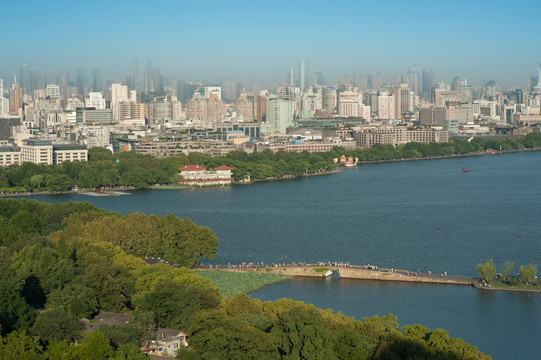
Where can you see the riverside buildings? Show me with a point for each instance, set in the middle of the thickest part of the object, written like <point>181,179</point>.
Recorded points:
<point>163,116</point>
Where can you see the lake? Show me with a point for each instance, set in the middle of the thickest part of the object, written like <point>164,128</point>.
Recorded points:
<point>416,215</point>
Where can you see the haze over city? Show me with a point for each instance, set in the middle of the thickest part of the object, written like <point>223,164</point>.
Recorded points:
<point>262,41</point>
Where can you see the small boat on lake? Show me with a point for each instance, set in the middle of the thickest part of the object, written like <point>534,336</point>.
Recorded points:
<point>464,170</point>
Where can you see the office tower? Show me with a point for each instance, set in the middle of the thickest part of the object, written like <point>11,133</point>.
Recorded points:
<point>403,100</point>
<point>149,83</point>
<point>376,81</point>
<point>24,78</point>
<point>156,81</point>
<point>532,81</point>
<point>96,82</point>
<point>519,96</point>
<point>360,81</point>
<point>427,84</point>
<point>386,107</point>
<point>52,91</point>
<point>302,75</point>
<point>343,80</point>
<point>81,81</point>
<point>412,79</point>
<point>95,100</point>
<point>279,115</point>
<point>456,84</point>
<point>320,80</point>
<point>14,98</point>
<point>261,113</point>
<point>118,91</point>
<point>539,75</point>
<point>349,104</point>
<point>393,80</point>
<point>491,88</point>
<point>135,75</point>
<point>291,77</point>
<point>229,90</point>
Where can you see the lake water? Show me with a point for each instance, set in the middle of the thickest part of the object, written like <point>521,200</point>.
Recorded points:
<point>424,215</point>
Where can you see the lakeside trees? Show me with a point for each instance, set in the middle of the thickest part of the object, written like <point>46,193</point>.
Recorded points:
<point>527,275</point>
<point>54,270</point>
<point>129,169</point>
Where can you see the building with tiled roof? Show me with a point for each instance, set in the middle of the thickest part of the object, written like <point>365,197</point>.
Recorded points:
<point>195,175</point>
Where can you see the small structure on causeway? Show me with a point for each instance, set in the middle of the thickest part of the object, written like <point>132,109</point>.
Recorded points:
<point>196,175</point>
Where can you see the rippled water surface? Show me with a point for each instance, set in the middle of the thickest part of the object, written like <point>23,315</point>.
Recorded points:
<point>425,215</point>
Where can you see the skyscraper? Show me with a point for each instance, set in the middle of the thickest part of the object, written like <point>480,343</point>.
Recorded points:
<point>229,88</point>
<point>279,115</point>
<point>302,74</point>
<point>427,84</point>
<point>96,82</point>
<point>149,82</point>
<point>81,80</point>
<point>135,75</point>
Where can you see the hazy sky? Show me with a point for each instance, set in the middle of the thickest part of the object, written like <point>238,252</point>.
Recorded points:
<point>262,40</point>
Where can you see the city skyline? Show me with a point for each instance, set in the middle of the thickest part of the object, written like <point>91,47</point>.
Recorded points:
<point>262,42</point>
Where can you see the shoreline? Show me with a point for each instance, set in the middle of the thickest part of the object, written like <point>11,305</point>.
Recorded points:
<point>285,177</point>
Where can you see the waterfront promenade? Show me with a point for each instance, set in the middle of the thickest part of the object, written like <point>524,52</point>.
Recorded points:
<point>348,271</point>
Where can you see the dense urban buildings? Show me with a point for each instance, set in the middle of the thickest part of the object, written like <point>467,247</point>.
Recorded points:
<point>49,119</point>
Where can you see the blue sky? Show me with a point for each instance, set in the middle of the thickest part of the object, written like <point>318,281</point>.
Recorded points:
<point>262,40</point>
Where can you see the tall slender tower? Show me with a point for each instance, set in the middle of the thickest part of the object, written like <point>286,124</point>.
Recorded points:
<point>149,79</point>
<point>302,75</point>
<point>135,75</point>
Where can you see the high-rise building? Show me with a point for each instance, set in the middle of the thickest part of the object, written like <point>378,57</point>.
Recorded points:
<point>279,115</point>
<point>403,100</point>
<point>303,71</point>
<point>149,81</point>
<point>261,113</point>
<point>412,79</point>
<point>96,82</point>
<point>349,103</point>
<point>14,98</point>
<point>427,84</point>
<point>244,107</point>
<point>386,107</point>
<point>532,81</point>
<point>456,84</point>
<point>95,100</point>
<point>53,91</point>
<point>230,90</point>
<point>135,75</point>
<point>291,77</point>
<point>376,81</point>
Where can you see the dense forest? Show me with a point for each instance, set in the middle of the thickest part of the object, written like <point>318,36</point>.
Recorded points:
<point>63,262</point>
<point>128,169</point>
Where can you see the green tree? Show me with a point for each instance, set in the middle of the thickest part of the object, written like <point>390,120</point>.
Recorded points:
<point>527,274</point>
<point>56,324</point>
<point>214,335</point>
<point>300,334</point>
<point>18,345</point>
<point>508,269</point>
<point>37,181</point>
<point>486,271</point>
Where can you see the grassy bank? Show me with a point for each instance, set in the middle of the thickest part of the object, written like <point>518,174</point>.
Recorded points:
<point>231,283</point>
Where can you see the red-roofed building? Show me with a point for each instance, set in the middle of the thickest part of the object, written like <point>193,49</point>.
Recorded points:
<point>196,175</point>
